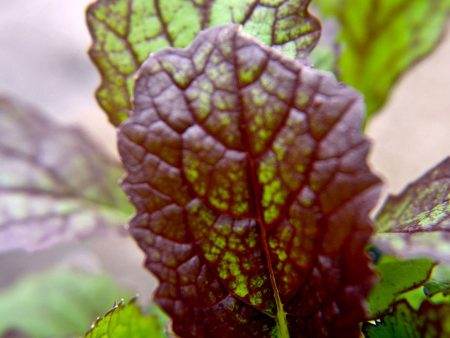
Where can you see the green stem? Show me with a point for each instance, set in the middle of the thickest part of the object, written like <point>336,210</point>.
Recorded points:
<point>281,315</point>
<point>281,320</point>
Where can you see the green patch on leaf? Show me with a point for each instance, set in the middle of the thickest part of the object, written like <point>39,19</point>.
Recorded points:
<point>125,32</point>
<point>127,321</point>
<point>381,39</point>
<point>56,184</point>
<point>417,221</point>
<point>430,321</point>
<point>396,277</point>
<point>58,303</point>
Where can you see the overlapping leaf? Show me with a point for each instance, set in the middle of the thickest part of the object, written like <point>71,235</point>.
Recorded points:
<point>430,321</point>
<point>126,321</point>
<point>439,282</point>
<point>55,183</point>
<point>126,31</point>
<point>397,277</point>
<point>57,303</point>
<point>417,221</point>
<point>381,39</point>
<point>248,173</point>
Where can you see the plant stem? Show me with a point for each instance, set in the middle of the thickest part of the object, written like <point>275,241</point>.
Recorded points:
<point>281,315</point>
<point>281,323</point>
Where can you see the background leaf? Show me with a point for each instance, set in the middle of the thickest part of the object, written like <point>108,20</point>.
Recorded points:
<point>125,32</point>
<point>248,172</point>
<point>58,303</point>
<point>382,39</point>
<point>56,184</point>
<point>439,282</point>
<point>325,54</point>
<point>430,321</point>
<point>127,321</point>
<point>417,221</point>
<point>396,277</point>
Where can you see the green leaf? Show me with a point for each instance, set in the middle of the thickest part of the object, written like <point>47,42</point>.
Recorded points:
<point>417,221</point>
<point>430,321</point>
<point>58,303</point>
<point>382,39</point>
<point>326,53</point>
<point>439,282</point>
<point>127,321</point>
<point>56,184</point>
<point>125,32</point>
<point>397,277</point>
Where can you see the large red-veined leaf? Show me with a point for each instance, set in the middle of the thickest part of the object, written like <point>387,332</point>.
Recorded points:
<point>252,192</point>
<point>56,184</point>
<point>417,221</point>
<point>125,32</point>
<point>430,321</point>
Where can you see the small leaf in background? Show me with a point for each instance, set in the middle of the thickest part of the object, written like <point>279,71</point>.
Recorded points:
<point>127,321</point>
<point>56,184</point>
<point>58,303</point>
<point>434,291</point>
<point>396,277</point>
<point>430,321</point>
<point>248,172</point>
<point>125,32</point>
<point>439,282</point>
<point>325,55</point>
<point>417,221</point>
<point>382,39</point>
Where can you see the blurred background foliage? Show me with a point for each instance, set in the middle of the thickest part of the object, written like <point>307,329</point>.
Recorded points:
<point>58,291</point>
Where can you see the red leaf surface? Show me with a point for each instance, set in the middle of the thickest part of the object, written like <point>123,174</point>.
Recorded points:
<point>248,173</point>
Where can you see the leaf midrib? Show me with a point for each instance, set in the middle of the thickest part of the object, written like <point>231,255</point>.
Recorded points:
<point>255,197</point>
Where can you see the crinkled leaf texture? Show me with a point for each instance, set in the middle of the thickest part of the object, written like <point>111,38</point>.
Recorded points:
<point>382,39</point>
<point>430,321</point>
<point>417,221</point>
<point>125,32</point>
<point>248,173</point>
<point>56,184</point>
<point>126,321</point>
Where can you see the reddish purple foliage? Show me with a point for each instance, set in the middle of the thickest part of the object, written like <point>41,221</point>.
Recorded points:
<point>248,173</point>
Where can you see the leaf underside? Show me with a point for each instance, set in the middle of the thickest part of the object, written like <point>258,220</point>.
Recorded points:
<point>248,173</point>
<point>126,321</point>
<point>417,221</point>
<point>125,32</point>
<point>56,184</point>
<point>381,39</point>
<point>430,321</point>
